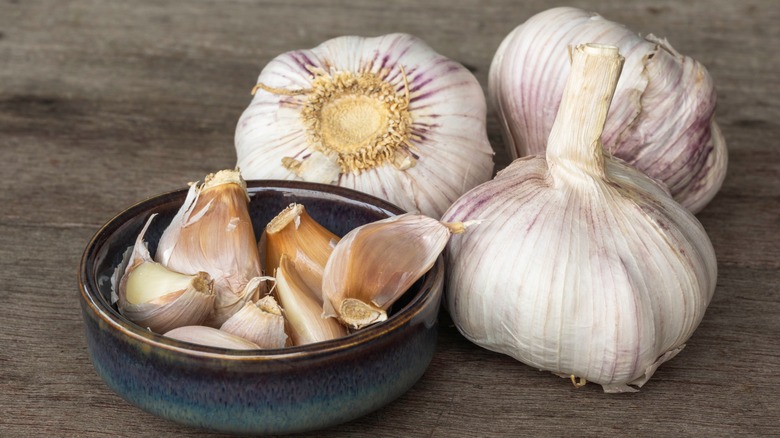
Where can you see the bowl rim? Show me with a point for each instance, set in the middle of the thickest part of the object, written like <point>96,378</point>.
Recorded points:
<point>100,308</point>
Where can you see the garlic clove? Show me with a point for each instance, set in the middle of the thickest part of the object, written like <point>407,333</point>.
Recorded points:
<point>662,115</point>
<point>374,264</point>
<point>595,271</point>
<point>151,281</point>
<point>210,337</point>
<point>303,307</point>
<point>212,232</point>
<point>307,243</point>
<point>387,116</point>
<point>157,298</point>
<point>261,322</point>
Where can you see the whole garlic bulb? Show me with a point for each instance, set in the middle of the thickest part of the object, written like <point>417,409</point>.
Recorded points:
<point>386,116</point>
<point>581,264</point>
<point>662,116</point>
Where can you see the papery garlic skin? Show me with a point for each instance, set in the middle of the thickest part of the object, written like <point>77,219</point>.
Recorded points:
<point>386,116</point>
<point>375,264</point>
<point>261,323</point>
<point>211,337</point>
<point>298,236</point>
<point>582,265</point>
<point>212,232</point>
<point>303,307</point>
<point>662,116</point>
<point>157,298</point>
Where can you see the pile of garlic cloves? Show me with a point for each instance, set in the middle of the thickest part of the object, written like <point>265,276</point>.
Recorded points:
<point>206,284</point>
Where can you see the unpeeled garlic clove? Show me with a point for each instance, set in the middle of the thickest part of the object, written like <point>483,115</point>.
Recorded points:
<point>261,322</point>
<point>303,307</point>
<point>307,244</point>
<point>212,232</point>
<point>211,337</point>
<point>158,298</point>
<point>374,264</point>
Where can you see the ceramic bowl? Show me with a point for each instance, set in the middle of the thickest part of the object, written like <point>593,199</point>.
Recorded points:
<point>261,391</point>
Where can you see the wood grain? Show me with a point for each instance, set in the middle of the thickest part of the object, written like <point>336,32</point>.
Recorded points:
<point>103,104</point>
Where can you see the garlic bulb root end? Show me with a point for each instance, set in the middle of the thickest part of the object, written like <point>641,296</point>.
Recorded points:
<point>358,314</point>
<point>578,382</point>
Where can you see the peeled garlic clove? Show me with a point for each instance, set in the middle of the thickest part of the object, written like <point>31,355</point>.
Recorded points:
<point>261,323</point>
<point>157,298</point>
<point>386,116</point>
<point>213,232</point>
<point>211,337</point>
<point>303,307</point>
<point>662,115</point>
<point>374,264</point>
<point>581,265</point>
<point>307,243</point>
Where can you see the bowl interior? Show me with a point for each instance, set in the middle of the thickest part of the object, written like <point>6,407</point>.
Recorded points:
<point>337,209</point>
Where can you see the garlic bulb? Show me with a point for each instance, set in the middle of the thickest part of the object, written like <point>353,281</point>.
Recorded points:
<point>261,322</point>
<point>662,116</point>
<point>212,232</point>
<point>303,307</point>
<point>387,116</point>
<point>374,264</point>
<point>211,337</point>
<point>157,298</point>
<point>582,265</point>
<point>307,243</point>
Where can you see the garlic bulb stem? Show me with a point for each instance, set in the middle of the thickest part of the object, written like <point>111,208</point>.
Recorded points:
<point>661,120</point>
<point>575,139</point>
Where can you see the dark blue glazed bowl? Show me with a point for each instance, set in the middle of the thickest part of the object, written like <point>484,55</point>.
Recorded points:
<point>264,391</point>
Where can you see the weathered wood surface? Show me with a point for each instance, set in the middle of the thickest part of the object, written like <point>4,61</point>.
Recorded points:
<point>105,103</point>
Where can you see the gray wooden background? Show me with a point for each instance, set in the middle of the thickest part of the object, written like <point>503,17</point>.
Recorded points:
<point>105,103</point>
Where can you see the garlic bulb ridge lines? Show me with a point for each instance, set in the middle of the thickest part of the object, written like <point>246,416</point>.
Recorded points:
<point>662,117</point>
<point>595,272</point>
<point>376,113</point>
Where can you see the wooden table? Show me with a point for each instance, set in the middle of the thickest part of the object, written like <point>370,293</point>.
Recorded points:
<point>103,104</point>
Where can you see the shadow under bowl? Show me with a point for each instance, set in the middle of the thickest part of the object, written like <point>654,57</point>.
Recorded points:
<point>286,390</point>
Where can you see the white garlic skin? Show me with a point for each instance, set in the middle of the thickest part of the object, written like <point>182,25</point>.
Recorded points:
<point>662,116</point>
<point>187,306</point>
<point>600,280</point>
<point>446,104</point>
<point>212,232</point>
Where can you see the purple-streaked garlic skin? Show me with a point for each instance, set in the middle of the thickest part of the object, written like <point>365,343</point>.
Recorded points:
<point>447,146</point>
<point>662,115</point>
<point>529,231</point>
<point>581,265</point>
